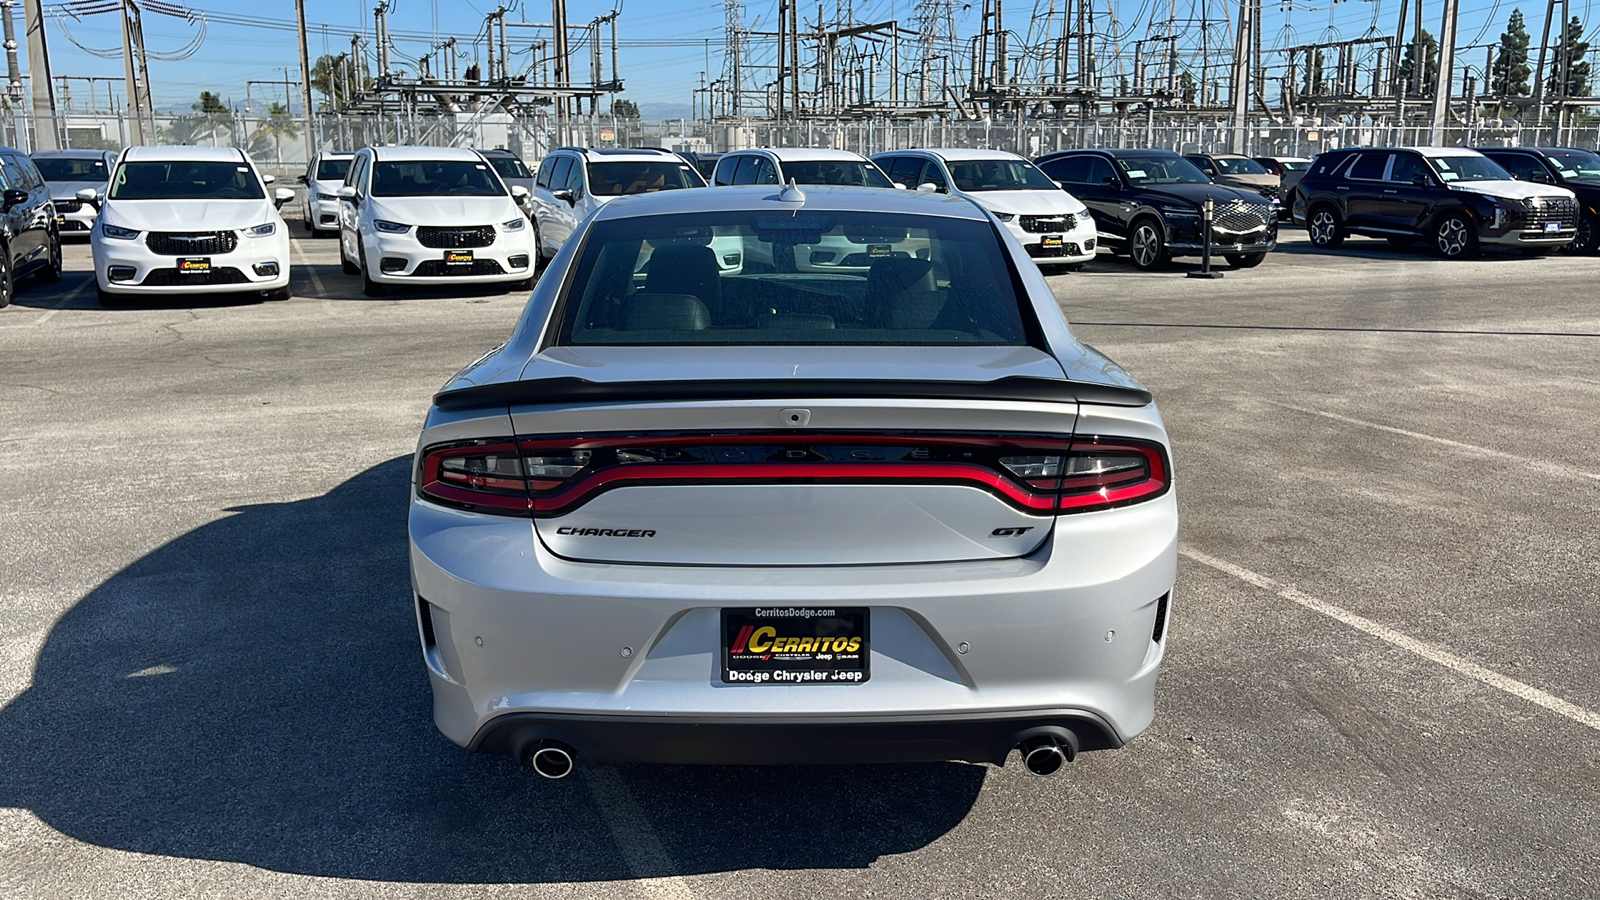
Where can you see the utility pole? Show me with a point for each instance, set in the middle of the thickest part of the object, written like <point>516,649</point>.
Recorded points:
<point>305,81</point>
<point>135,106</point>
<point>44,101</point>
<point>14,89</point>
<point>1446,73</point>
<point>1241,76</point>
<point>783,52</point>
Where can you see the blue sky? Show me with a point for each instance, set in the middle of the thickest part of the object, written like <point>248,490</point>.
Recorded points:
<point>664,42</point>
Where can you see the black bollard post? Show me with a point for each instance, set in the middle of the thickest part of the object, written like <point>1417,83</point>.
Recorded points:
<point>1206,211</point>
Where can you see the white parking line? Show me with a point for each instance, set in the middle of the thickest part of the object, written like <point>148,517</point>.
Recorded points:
<point>1547,468</point>
<point>640,847</point>
<point>1410,644</point>
<point>316,280</point>
<point>65,299</point>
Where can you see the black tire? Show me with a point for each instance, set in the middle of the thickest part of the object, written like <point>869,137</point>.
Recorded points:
<point>539,262</point>
<point>310,228</point>
<point>51,273</point>
<point>8,285</point>
<point>1147,245</point>
<point>1324,228</point>
<point>282,293</point>
<point>525,284</point>
<point>1245,260</point>
<point>1455,237</point>
<point>1401,243</point>
<point>369,287</point>
<point>1588,239</point>
<point>348,267</point>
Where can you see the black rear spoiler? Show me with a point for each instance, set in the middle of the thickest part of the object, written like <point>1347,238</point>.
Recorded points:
<point>579,390</point>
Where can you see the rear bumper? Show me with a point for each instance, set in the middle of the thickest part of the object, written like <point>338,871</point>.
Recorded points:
<point>617,739</point>
<point>623,661</point>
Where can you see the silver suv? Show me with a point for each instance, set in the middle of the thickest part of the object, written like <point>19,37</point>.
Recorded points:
<point>692,516</point>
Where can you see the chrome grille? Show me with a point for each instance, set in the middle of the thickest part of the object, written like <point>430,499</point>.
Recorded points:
<point>441,238</point>
<point>1542,210</point>
<point>191,243</point>
<point>1240,217</point>
<point>1048,224</point>
<point>67,206</point>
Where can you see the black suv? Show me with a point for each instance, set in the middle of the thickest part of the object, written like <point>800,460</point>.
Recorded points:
<point>1576,170</point>
<point>1451,197</point>
<point>32,243</point>
<point>1147,204</point>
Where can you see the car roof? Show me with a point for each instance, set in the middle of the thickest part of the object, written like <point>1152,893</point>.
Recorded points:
<point>798,154</point>
<point>413,154</point>
<point>336,154</point>
<point>499,151</point>
<point>1437,151</point>
<point>68,154</point>
<point>1115,152</point>
<point>1285,158</point>
<point>621,154</point>
<point>1542,151</point>
<point>956,153</point>
<point>766,197</point>
<point>184,154</point>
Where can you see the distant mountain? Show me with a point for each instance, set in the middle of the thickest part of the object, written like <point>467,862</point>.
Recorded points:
<point>658,111</point>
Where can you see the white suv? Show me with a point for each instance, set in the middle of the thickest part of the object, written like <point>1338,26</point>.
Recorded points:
<point>322,179</point>
<point>804,165</point>
<point>573,182</point>
<point>431,215</point>
<point>1053,226</point>
<point>189,219</point>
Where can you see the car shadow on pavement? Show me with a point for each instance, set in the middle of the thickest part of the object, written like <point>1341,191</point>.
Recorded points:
<point>1362,248</point>
<point>251,692</point>
<point>339,287</point>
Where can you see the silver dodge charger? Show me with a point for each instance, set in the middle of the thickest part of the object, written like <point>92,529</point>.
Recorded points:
<point>709,505</point>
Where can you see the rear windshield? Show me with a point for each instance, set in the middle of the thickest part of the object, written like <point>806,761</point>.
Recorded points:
<point>435,178</point>
<point>185,181</point>
<point>999,175</point>
<point>763,278</point>
<point>1468,168</point>
<point>509,167</point>
<point>835,171</point>
<point>612,179</point>
<point>1294,165</point>
<point>333,169</point>
<point>68,169</point>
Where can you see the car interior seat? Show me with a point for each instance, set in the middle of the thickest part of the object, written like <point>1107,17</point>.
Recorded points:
<point>686,268</point>
<point>901,293</point>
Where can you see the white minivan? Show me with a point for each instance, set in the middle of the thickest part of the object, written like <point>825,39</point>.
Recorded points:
<point>431,216</point>
<point>189,220</point>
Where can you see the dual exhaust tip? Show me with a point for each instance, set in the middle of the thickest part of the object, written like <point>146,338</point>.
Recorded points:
<point>1043,755</point>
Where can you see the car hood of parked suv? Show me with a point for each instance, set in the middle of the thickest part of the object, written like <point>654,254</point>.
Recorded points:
<point>1511,190</point>
<point>444,210</point>
<point>68,190</point>
<point>1027,203</point>
<point>1252,181</point>
<point>188,215</point>
<point>1195,194</point>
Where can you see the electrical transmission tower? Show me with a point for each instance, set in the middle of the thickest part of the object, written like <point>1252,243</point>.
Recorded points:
<point>734,61</point>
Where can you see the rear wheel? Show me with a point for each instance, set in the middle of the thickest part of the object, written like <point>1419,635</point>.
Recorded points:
<point>1246,260</point>
<point>1454,236</point>
<point>1324,228</point>
<point>1147,245</point>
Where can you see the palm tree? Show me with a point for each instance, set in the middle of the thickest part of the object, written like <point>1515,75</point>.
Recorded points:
<point>280,125</point>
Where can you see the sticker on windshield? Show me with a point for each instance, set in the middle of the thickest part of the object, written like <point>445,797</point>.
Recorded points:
<point>242,168</point>
<point>1136,173</point>
<point>477,166</point>
<point>1448,176</point>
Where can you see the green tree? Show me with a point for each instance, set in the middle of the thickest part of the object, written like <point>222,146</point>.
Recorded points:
<point>1509,75</point>
<point>1572,49</point>
<point>1421,78</point>
<point>625,109</point>
<point>280,125</point>
<point>334,77</point>
<point>181,130</point>
<point>212,112</point>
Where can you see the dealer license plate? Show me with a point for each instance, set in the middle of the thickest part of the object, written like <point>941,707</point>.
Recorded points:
<point>879,251</point>
<point>795,645</point>
<point>1050,240</point>
<point>1552,226</point>
<point>458,257</point>
<point>194,265</point>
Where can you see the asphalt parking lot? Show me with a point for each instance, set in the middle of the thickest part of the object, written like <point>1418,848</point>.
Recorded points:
<point>1381,680</point>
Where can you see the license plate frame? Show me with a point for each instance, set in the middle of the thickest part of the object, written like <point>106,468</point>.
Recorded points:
<point>458,258</point>
<point>834,645</point>
<point>194,265</point>
<point>1052,240</point>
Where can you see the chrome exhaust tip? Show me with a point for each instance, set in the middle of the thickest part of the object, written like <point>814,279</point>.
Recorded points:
<point>550,759</point>
<point>1046,755</point>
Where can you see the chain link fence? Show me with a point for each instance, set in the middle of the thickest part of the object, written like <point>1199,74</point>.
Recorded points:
<point>278,143</point>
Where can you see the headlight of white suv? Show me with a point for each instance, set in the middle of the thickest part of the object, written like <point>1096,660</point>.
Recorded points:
<point>121,234</point>
<point>388,227</point>
<point>262,230</point>
<point>327,197</point>
<point>1005,217</point>
<point>516,224</point>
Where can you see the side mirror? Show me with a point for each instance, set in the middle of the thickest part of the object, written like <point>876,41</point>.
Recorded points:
<point>1421,179</point>
<point>347,193</point>
<point>519,193</point>
<point>268,179</point>
<point>301,179</point>
<point>1543,177</point>
<point>898,186</point>
<point>280,196</point>
<point>565,196</point>
<point>14,197</point>
<point>927,187</point>
<point>1112,182</point>
<point>89,196</point>
<point>1062,185</point>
